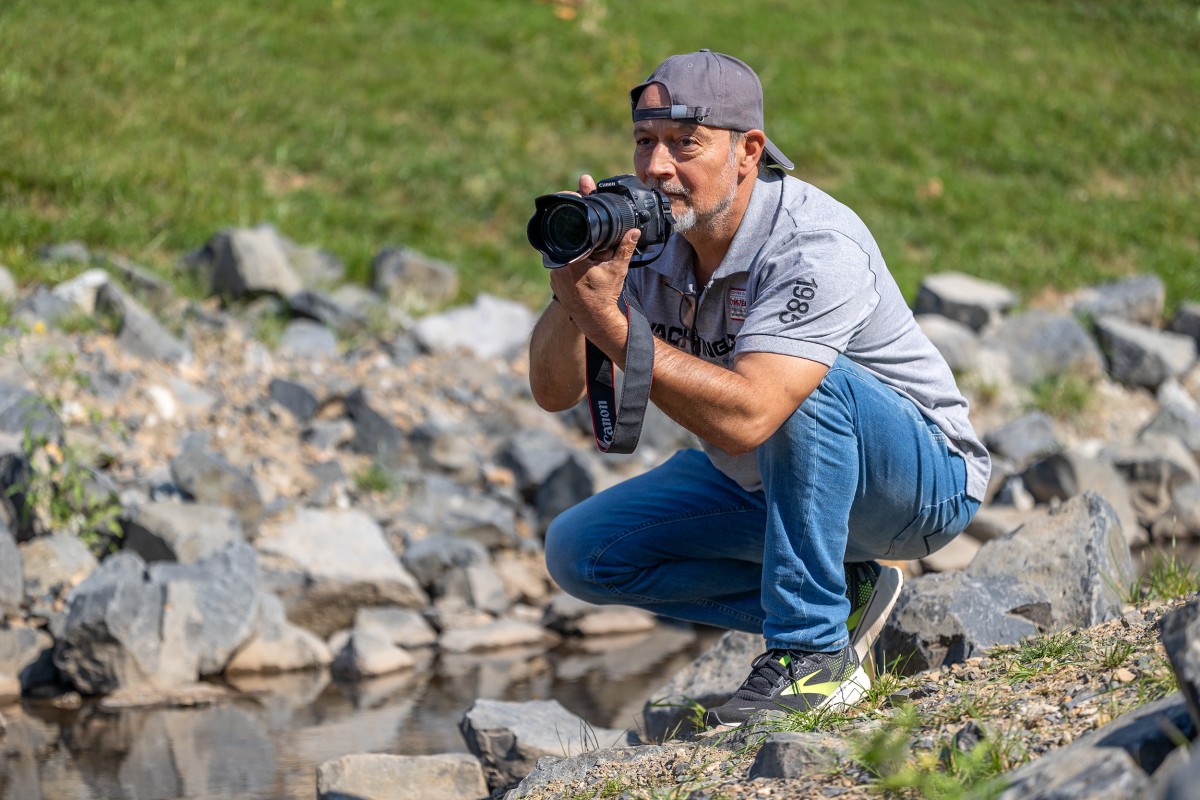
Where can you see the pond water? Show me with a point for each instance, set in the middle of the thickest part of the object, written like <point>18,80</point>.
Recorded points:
<point>267,745</point>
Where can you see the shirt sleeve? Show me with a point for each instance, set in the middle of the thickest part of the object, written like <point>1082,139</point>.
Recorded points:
<point>809,298</point>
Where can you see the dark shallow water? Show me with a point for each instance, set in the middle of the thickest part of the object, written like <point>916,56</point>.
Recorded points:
<point>268,745</point>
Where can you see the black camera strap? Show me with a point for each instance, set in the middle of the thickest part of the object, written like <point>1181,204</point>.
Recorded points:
<point>617,430</point>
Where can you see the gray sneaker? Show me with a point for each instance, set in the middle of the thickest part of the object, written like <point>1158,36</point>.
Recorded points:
<point>873,590</point>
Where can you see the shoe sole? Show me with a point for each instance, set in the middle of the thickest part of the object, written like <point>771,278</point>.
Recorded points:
<point>875,615</point>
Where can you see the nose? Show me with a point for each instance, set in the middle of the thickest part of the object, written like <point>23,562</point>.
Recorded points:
<point>659,165</point>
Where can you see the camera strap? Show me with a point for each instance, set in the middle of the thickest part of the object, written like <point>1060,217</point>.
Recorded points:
<point>617,430</point>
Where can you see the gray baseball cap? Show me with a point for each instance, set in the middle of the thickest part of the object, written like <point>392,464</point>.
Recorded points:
<point>711,89</point>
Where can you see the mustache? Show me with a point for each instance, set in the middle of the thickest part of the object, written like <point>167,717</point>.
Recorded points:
<point>669,188</point>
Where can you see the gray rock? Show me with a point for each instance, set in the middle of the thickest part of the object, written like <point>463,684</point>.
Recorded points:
<point>326,310</point>
<point>144,284</point>
<point>299,401</point>
<point>42,305</point>
<point>567,486</point>
<point>1076,554</point>
<point>216,601</point>
<point>1180,630</point>
<point>1154,467</point>
<point>497,635</point>
<point>509,738</point>
<point>374,776</point>
<point>139,332</point>
<point>428,559</point>
<point>1067,774</point>
<point>325,565</point>
<point>575,769</point>
<point>403,627</point>
<point>963,298</point>
<point>1176,779</point>
<point>1181,520</point>
<point>374,435</point>
<point>24,413</point>
<point>957,343</point>
<point>948,617</point>
<point>368,653</point>
<point>74,252</point>
<point>82,291</point>
<point>8,285</point>
<point>954,555</point>
<point>533,455</point>
<point>1027,437</point>
<point>187,532</point>
<point>708,681</point>
<point>1138,299</point>
<point>305,338</point>
<point>12,574</point>
<point>477,586</point>
<point>53,565</point>
<point>246,262</point>
<point>1065,475</point>
<point>208,478</point>
<point>410,279</point>
<point>572,616</point>
<point>28,655</point>
<point>276,645</point>
<point>992,522</point>
<point>1177,420</point>
<point>792,755</point>
<point>1187,321</point>
<point>1144,356</point>
<point>489,328</point>
<point>1041,344</point>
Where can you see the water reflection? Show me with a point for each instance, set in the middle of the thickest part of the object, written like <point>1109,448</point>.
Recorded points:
<point>268,743</point>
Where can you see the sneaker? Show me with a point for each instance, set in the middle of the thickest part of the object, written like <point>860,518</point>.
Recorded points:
<point>872,590</point>
<point>790,680</point>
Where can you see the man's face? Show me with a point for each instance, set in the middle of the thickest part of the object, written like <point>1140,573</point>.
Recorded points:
<point>692,164</point>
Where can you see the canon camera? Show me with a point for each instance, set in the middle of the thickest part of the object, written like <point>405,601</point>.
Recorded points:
<point>567,227</point>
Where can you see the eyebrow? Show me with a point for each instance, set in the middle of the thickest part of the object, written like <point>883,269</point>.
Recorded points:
<point>687,127</point>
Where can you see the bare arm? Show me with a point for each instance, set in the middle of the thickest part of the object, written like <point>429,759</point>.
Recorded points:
<point>556,360</point>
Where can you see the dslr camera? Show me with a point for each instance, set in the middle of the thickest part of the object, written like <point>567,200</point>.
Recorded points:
<point>567,227</point>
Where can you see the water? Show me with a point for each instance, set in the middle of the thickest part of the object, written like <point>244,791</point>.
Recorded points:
<point>268,744</point>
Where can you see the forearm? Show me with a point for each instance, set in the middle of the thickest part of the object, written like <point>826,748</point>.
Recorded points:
<point>556,360</point>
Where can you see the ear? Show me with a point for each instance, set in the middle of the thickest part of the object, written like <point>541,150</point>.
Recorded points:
<point>752,147</point>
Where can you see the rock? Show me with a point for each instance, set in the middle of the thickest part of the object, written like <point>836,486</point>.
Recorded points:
<point>8,291</point>
<point>572,616</point>
<point>138,331</point>
<point>1076,554</point>
<point>1041,345</point>
<point>1092,774</point>
<point>509,738</point>
<point>276,645</point>
<point>53,565</point>
<point>568,485</point>
<point>957,343</point>
<point>1181,520</point>
<point>72,252</point>
<point>324,309</point>
<point>28,655</point>
<point>25,414</point>
<point>1177,420</point>
<point>246,262</point>
<point>477,586</point>
<point>372,776</point>
<point>1187,321</point>
<point>374,435</point>
<point>963,298</point>
<point>410,279</point>
<point>792,755</point>
<point>296,398</point>
<point>1154,467</point>
<point>1144,356</point>
<point>403,627</point>
<point>573,770</point>
<point>992,522</point>
<point>494,636</point>
<point>304,338</point>
<point>81,291</point>
<point>1180,629</point>
<point>533,455</point>
<point>1138,299</point>
<point>948,617</point>
<point>185,532</point>
<point>428,559</point>
<point>1027,437</point>
<point>325,565</point>
<point>1065,475</point>
<point>489,328</point>
<point>955,555</point>
<point>367,653</point>
<point>12,574</point>
<point>708,681</point>
<point>208,478</point>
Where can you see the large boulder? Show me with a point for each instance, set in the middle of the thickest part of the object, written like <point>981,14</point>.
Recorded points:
<point>1042,344</point>
<point>378,776</point>
<point>1076,554</point>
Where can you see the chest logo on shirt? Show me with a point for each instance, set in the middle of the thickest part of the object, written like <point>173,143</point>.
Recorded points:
<point>738,304</point>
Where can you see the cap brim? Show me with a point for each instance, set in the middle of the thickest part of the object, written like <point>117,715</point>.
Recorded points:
<point>773,156</point>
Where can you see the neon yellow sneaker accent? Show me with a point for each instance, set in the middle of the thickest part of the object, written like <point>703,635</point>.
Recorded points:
<point>801,686</point>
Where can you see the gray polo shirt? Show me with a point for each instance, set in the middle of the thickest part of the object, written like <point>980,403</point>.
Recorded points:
<point>804,277</point>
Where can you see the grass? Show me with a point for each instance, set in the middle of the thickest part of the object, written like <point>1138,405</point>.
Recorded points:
<point>1065,396</point>
<point>1033,143</point>
<point>1166,577</point>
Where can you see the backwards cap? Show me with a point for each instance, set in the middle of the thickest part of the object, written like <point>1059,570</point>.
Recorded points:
<point>712,89</point>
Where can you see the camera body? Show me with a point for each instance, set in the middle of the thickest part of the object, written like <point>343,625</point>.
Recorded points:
<point>567,227</point>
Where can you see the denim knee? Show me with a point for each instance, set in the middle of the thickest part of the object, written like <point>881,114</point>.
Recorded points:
<point>567,558</point>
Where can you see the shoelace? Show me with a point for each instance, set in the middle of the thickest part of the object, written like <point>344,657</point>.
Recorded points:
<point>765,672</point>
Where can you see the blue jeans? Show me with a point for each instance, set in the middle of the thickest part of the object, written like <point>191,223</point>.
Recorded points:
<point>856,473</point>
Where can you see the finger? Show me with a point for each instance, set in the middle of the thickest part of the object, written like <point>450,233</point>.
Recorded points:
<point>587,184</point>
<point>628,245</point>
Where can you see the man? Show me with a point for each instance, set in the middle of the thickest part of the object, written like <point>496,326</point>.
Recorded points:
<point>833,432</point>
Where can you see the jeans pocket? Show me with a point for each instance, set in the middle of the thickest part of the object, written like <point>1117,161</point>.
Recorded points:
<point>933,528</point>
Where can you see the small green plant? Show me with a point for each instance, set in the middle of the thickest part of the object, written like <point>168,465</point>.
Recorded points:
<point>1035,655</point>
<point>60,493</point>
<point>375,478</point>
<point>692,720</point>
<point>1114,655</point>
<point>1166,578</point>
<point>1063,396</point>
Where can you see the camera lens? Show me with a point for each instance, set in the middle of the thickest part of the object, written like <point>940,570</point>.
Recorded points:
<point>565,229</point>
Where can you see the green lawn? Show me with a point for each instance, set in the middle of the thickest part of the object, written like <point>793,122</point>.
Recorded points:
<point>1033,142</point>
